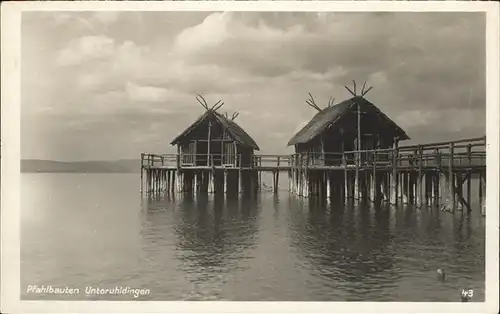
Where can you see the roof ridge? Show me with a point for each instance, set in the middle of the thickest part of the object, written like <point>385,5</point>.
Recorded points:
<point>329,116</point>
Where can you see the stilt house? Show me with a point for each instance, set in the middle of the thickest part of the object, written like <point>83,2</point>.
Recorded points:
<point>215,139</point>
<point>353,124</point>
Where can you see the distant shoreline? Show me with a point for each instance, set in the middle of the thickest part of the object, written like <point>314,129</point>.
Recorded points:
<point>51,166</point>
<point>80,172</point>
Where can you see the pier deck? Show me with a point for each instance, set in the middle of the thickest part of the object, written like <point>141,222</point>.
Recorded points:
<point>427,174</point>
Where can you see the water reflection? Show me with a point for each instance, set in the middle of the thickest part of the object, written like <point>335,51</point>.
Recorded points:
<point>348,247</point>
<point>273,247</point>
<point>212,233</point>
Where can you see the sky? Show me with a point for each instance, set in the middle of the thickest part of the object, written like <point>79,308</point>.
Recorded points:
<point>110,85</point>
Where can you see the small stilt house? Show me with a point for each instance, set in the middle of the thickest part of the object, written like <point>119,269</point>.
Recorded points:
<point>215,139</point>
<point>353,124</point>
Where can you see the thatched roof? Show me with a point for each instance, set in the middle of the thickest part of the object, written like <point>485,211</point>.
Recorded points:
<point>330,115</point>
<point>237,133</point>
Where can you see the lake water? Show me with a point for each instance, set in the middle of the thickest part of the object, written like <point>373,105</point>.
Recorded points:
<point>93,230</point>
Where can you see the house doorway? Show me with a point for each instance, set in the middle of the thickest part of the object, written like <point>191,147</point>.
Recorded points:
<point>229,156</point>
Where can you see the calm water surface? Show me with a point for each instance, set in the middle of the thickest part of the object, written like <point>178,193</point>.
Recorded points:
<point>81,230</point>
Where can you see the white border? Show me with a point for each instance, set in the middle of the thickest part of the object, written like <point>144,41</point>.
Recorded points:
<point>10,152</point>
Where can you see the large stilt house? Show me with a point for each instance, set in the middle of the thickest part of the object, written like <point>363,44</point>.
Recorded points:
<point>215,139</point>
<point>353,124</point>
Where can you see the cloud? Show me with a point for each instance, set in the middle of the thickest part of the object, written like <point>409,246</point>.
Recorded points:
<point>86,49</point>
<point>427,70</point>
<point>106,17</point>
<point>146,93</point>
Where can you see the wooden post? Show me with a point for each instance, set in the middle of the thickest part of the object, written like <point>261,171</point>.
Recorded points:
<point>209,144</point>
<point>480,191</point>
<point>278,175</point>
<point>161,173</point>
<point>179,182</point>
<point>157,180</point>
<point>211,180</point>
<point>483,208</point>
<point>274,181</point>
<point>411,187</point>
<point>419,194</point>
<point>167,181</point>
<point>356,182</point>
<point>152,179</point>
<point>300,182</point>
<point>359,135</point>
<point>482,194</point>
<point>225,182</point>
<point>451,178</point>
<point>394,175</point>
<point>402,187</point>
<point>148,180</point>
<point>328,185</point>
<point>160,179</point>
<point>296,177</point>
<point>295,181</point>
<point>469,153</point>
<point>430,190</point>
<point>430,195</point>
<point>142,171</point>
<point>435,188</point>
<point>186,181</point>
<point>173,182</point>
<point>322,153</point>
<point>259,173</point>
<point>307,182</point>
<point>222,148</point>
<point>293,173</point>
<point>407,187</point>
<point>469,179</point>
<point>290,181</point>
<point>373,184</point>
<point>458,184</point>
<point>386,186</point>
<point>240,181</point>
<point>195,182</point>
<point>296,173</point>
<point>346,185</point>
<point>178,157</point>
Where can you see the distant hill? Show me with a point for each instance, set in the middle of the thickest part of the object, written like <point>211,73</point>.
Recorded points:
<point>118,166</point>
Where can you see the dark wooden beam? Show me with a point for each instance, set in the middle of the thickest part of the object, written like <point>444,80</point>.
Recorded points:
<point>202,101</point>
<point>350,91</point>
<point>365,92</point>
<point>459,190</point>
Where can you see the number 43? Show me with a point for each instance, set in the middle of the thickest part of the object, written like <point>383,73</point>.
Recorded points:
<point>468,293</point>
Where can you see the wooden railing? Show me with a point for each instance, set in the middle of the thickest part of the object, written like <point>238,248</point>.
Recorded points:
<point>272,161</point>
<point>468,152</point>
<point>190,160</point>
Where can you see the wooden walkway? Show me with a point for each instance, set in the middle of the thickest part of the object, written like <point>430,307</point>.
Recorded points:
<point>415,174</point>
<point>468,153</point>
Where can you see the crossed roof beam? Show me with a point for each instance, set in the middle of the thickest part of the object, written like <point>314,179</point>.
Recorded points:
<point>215,107</point>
